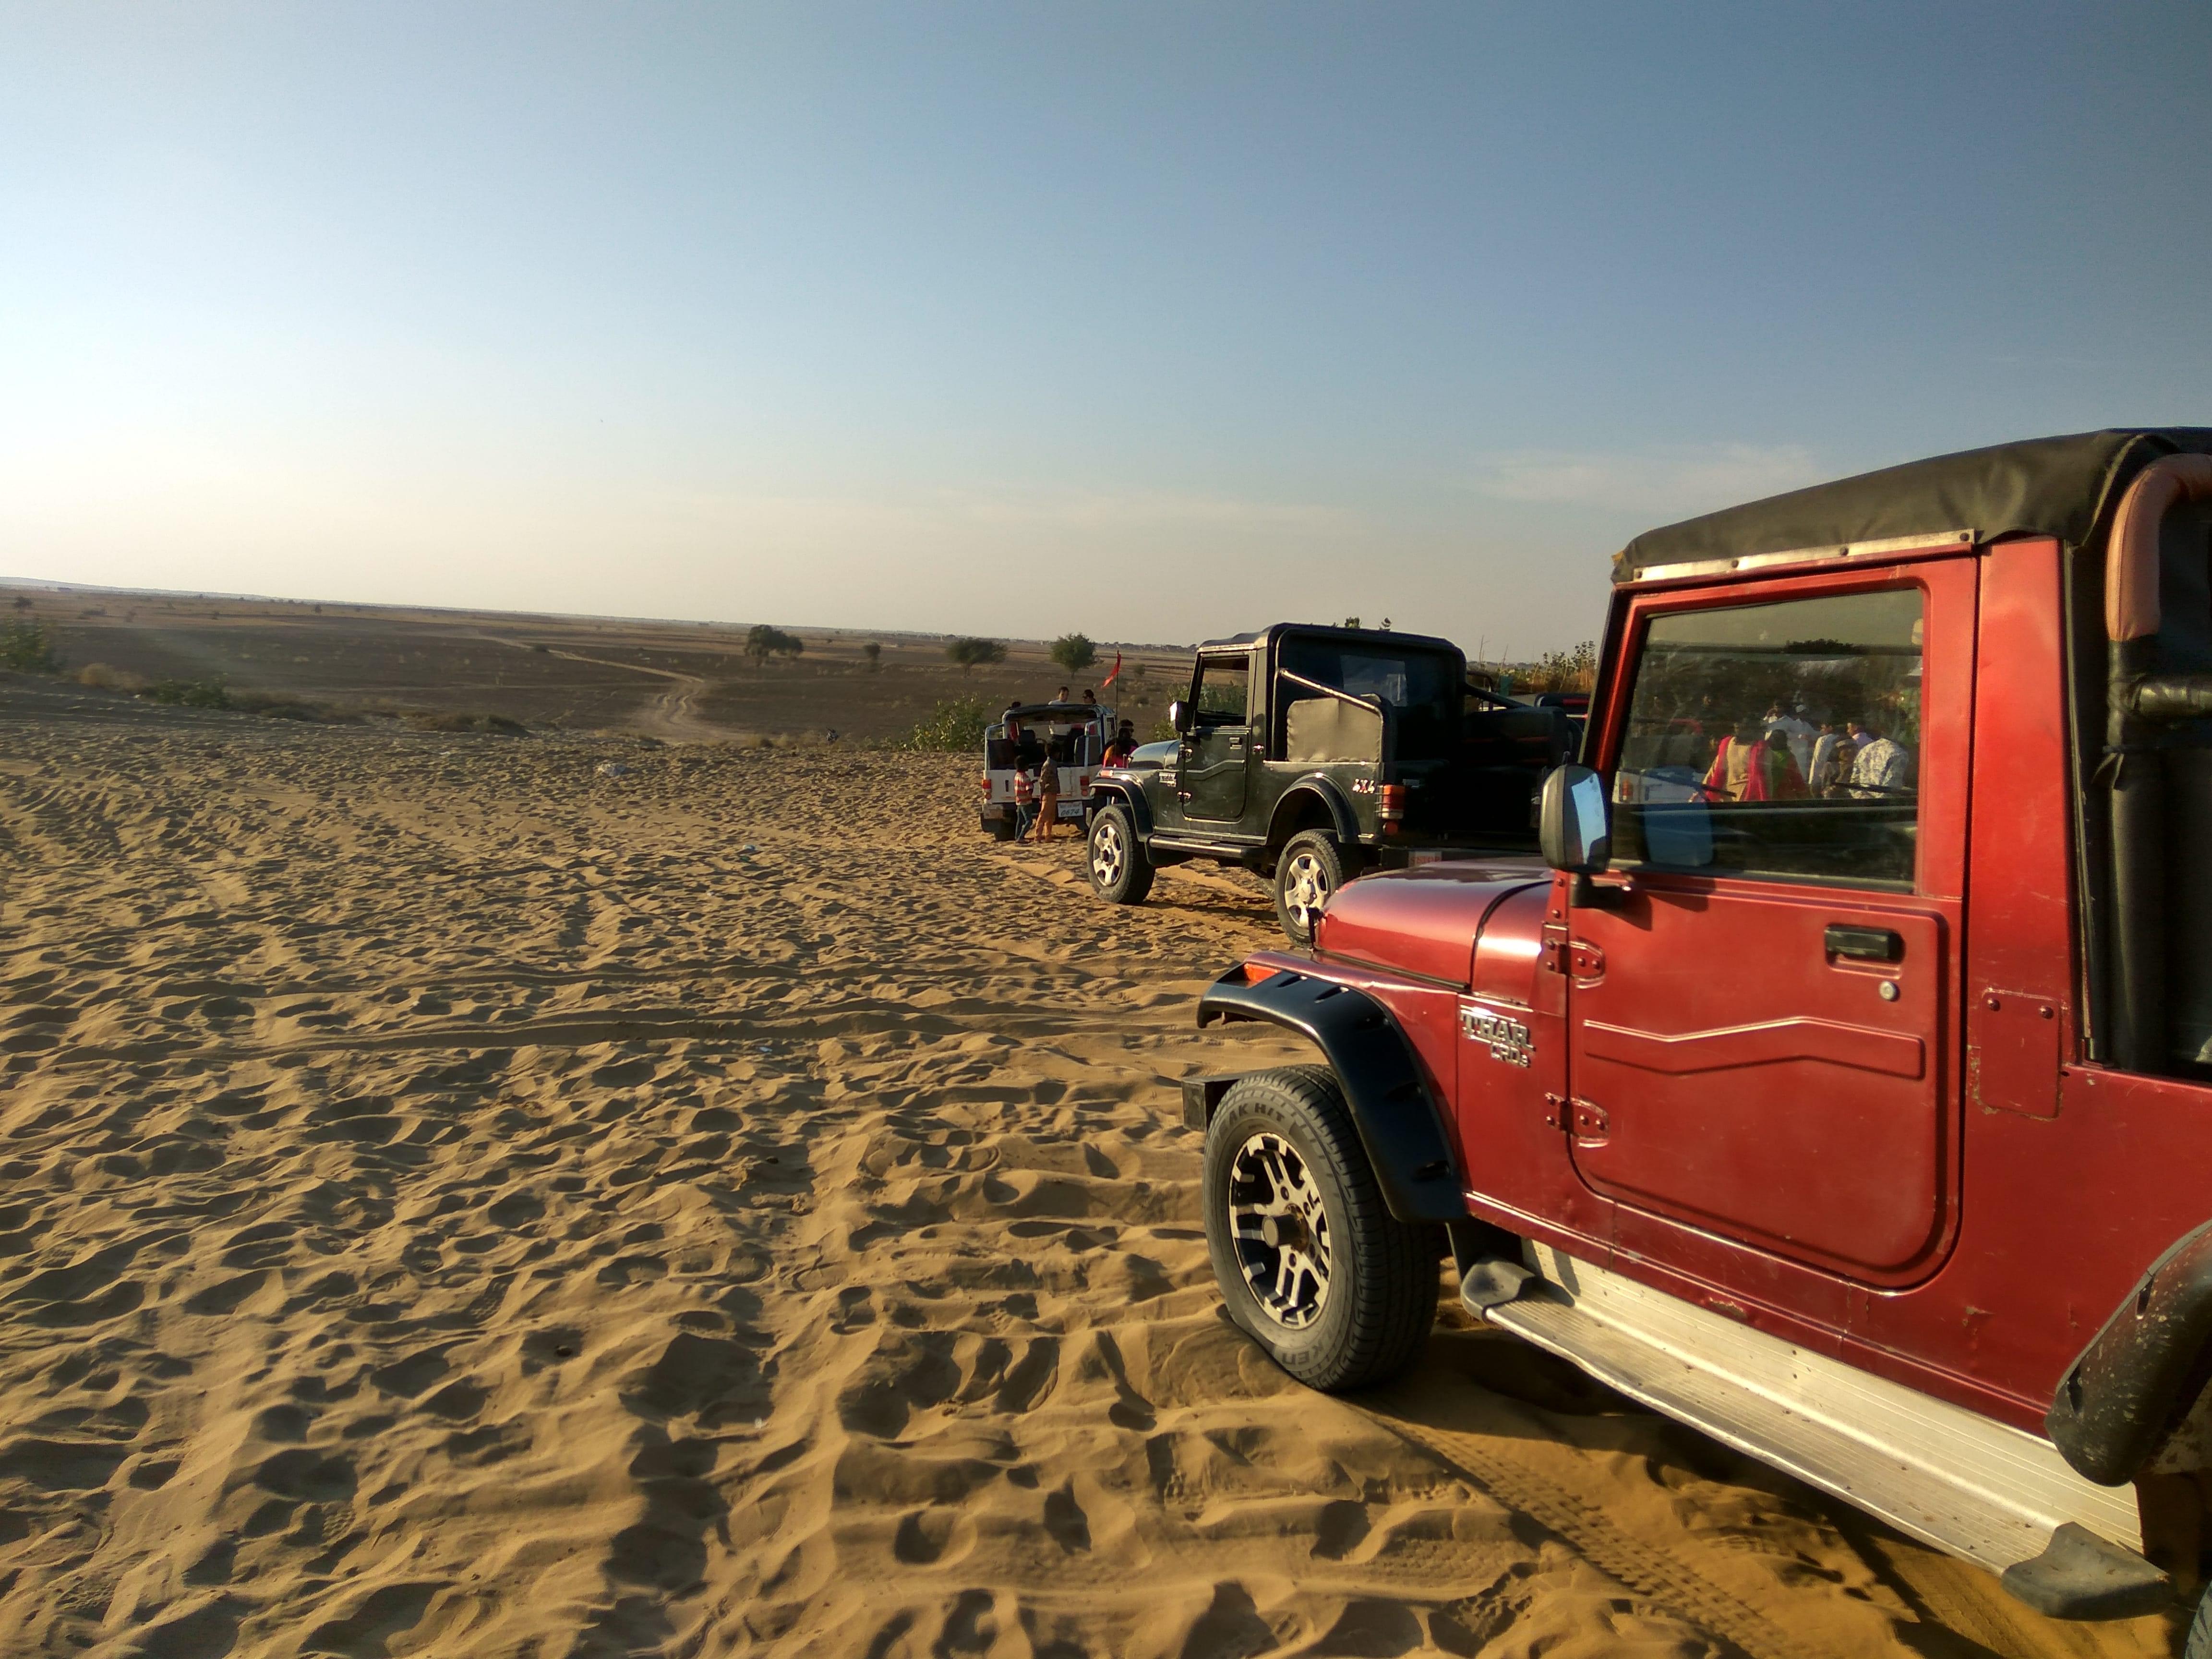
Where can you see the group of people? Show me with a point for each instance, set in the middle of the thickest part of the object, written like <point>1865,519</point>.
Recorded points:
<point>1785,756</point>
<point>1036,766</point>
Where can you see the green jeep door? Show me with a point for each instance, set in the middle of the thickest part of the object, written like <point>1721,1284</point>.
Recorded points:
<point>1217,740</point>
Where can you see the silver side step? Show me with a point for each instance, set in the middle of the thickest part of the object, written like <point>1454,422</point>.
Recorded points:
<point>1950,1477</point>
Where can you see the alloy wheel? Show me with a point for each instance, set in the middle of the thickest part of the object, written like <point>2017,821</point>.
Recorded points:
<point>1305,890</point>
<point>1107,853</point>
<point>1280,1229</point>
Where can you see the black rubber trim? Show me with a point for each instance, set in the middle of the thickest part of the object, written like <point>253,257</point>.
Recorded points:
<point>2081,1575</point>
<point>1344,822</point>
<point>1399,1120</point>
<point>2141,1371</point>
<point>1129,796</point>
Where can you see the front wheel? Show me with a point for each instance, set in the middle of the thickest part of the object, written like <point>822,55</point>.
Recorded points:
<point>1311,1264</point>
<point>1119,873</point>
<point>1310,869</point>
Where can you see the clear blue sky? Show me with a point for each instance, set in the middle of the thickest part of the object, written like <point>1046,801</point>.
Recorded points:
<point>1158,321</point>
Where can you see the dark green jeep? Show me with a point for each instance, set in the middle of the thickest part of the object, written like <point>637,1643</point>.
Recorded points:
<point>1310,755</point>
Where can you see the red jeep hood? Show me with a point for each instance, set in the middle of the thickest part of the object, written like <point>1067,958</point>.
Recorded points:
<point>1422,920</point>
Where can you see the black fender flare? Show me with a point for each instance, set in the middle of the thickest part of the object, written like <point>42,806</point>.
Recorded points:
<point>1318,785</point>
<point>1108,791</point>
<point>2129,1389</point>
<point>1400,1120</point>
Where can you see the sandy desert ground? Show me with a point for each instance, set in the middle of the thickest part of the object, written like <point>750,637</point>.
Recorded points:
<point>572,1196</point>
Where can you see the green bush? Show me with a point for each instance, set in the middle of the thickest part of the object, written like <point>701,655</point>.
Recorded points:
<point>189,693</point>
<point>26,647</point>
<point>970,653</point>
<point>955,726</point>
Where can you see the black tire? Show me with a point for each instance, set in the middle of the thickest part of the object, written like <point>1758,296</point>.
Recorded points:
<point>1312,866</point>
<point>1114,857</point>
<point>1371,1320</point>
<point>1001,829</point>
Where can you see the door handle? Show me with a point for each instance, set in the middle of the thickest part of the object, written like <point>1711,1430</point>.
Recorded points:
<point>1863,944</point>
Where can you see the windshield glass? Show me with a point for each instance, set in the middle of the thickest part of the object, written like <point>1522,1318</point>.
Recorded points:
<point>1422,687</point>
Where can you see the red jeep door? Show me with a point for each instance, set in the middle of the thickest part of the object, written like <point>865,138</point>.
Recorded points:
<point>1760,1025</point>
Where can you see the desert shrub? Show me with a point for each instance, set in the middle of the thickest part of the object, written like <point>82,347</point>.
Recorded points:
<point>955,726</point>
<point>189,693</point>
<point>25,646</point>
<point>102,678</point>
<point>763,643</point>
<point>1564,671</point>
<point>446,720</point>
<point>968,652</point>
<point>1074,651</point>
<point>276,705</point>
<point>874,653</point>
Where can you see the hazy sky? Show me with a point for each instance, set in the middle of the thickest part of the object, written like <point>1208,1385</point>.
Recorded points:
<point>1158,321</point>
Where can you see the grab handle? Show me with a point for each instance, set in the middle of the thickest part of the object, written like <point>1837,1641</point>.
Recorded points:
<point>1863,944</point>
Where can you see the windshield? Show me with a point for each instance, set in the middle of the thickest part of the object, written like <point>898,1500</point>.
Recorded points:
<point>1422,687</point>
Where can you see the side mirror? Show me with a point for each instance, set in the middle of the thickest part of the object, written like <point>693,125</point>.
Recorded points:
<point>1573,825</point>
<point>1178,714</point>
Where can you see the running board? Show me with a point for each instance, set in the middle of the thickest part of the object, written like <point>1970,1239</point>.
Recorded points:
<point>1950,1477</point>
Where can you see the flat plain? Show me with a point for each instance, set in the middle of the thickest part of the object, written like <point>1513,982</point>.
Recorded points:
<point>577,1195</point>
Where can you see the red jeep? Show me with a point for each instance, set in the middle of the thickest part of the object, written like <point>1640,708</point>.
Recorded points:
<point>1843,1085</point>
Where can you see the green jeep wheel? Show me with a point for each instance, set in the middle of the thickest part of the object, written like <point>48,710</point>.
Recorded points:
<point>1310,869</point>
<point>1115,859</point>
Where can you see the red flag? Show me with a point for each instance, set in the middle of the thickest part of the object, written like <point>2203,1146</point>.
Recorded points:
<point>1115,675</point>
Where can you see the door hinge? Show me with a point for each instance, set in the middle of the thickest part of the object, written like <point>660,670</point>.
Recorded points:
<point>1591,1120</point>
<point>1577,958</point>
<point>1555,1111</point>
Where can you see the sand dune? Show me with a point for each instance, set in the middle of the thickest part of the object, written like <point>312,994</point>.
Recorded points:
<point>536,1198</point>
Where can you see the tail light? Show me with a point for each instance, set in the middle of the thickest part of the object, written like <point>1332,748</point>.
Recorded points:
<point>987,783</point>
<point>1393,807</point>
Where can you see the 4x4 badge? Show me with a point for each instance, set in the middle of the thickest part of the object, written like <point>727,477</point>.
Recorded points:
<point>1507,1039</point>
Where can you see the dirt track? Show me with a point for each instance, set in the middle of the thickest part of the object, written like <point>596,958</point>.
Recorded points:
<point>473,1196</point>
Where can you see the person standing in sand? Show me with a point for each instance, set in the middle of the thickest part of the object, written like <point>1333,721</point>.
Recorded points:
<point>1025,801</point>
<point>1048,798</point>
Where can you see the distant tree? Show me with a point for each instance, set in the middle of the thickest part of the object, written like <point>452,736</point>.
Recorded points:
<point>762,641</point>
<point>1351,621</point>
<point>874,653</point>
<point>1074,651</point>
<point>22,602</point>
<point>968,652</point>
